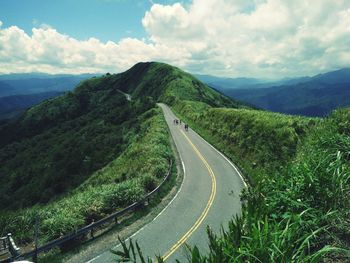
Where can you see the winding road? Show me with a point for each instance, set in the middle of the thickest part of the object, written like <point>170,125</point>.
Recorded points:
<point>209,195</point>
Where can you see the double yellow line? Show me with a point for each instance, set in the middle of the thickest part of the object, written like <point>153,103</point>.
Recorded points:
<point>205,211</point>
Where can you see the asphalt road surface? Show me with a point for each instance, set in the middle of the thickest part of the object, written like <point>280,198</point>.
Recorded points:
<point>209,195</point>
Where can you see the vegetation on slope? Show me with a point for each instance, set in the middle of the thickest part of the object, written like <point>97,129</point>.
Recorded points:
<point>291,161</point>
<point>56,145</point>
<point>263,138</point>
<point>69,159</point>
<point>138,170</point>
<point>168,84</point>
<point>299,166</point>
<point>297,210</point>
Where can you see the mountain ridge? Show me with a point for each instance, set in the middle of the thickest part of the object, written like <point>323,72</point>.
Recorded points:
<point>93,101</point>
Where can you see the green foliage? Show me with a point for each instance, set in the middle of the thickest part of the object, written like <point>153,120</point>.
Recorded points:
<point>132,253</point>
<point>58,144</point>
<point>266,139</point>
<point>167,84</point>
<point>148,182</point>
<point>123,181</point>
<point>298,210</point>
<point>87,153</point>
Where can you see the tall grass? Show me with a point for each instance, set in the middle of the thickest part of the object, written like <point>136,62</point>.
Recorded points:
<point>298,210</point>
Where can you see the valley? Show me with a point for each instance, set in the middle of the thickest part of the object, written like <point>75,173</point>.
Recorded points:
<point>315,96</point>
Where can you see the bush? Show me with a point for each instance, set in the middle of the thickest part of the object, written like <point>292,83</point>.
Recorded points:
<point>148,182</point>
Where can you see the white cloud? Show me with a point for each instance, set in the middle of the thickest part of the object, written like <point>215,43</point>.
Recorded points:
<point>47,50</point>
<point>266,38</point>
<point>263,38</point>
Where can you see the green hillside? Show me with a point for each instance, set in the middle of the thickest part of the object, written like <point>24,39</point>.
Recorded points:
<point>168,84</point>
<point>56,145</point>
<point>68,160</point>
<point>63,153</point>
<point>297,209</point>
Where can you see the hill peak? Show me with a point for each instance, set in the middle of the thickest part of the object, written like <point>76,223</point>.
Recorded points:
<point>166,83</point>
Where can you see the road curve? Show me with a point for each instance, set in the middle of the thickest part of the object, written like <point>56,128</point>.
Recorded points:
<point>209,195</point>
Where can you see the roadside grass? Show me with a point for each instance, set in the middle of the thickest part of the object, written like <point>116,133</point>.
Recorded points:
<point>298,207</point>
<point>251,138</point>
<point>144,215</point>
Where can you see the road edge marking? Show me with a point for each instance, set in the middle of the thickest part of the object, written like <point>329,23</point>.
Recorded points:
<point>225,157</point>
<point>183,179</point>
<point>203,215</point>
<point>138,231</point>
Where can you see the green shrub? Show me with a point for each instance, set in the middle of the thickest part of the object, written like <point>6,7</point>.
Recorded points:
<point>148,182</point>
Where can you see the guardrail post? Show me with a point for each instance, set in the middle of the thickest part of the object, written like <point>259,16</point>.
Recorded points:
<point>92,229</point>
<point>14,250</point>
<point>4,244</point>
<point>36,234</point>
<point>92,233</point>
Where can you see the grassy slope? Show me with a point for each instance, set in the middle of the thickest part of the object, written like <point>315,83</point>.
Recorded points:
<point>56,139</point>
<point>279,153</point>
<point>114,186</point>
<point>299,167</point>
<point>299,204</point>
<point>55,156</point>
<point>274,217</point>
<point>247,136</point>
<point>56,145</point>
<point>168,84</point>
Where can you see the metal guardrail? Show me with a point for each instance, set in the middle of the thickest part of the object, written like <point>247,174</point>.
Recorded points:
<point>8,248</point>
<point>14,250</point>
<point>90,228</point>
<point>3,243</point>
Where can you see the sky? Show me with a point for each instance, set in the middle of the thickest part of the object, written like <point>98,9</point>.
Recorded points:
<point>231,38</point>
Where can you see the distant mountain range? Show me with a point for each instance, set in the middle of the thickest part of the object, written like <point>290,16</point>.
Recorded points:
<point>309,96</point>
<point>12,106</point>
<point>20,91</point>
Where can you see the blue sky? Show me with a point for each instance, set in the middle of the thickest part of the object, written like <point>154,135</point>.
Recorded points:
<point>81,19</point>
<point>233,38</point>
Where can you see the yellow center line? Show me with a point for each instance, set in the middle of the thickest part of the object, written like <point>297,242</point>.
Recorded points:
<point>205,211</point>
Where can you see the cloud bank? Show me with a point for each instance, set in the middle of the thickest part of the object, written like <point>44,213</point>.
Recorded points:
<point>271,38</point>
